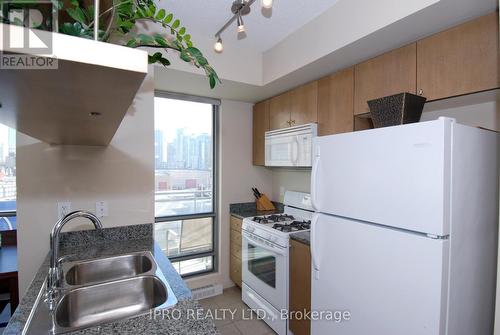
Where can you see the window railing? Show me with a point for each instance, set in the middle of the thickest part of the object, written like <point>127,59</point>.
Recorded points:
<point>8,190</point>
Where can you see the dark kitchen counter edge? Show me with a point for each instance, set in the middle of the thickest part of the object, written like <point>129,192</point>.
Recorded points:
<point>249,209</point>
<point>115,241</point>
<point>302,237</point>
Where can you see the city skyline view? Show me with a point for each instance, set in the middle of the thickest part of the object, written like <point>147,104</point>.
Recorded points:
<point>184,180</point>
<point>7,168</point>
<point>192,117</point>
<point>183,157</point>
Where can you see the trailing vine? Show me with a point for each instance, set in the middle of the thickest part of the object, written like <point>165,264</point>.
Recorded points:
<point>122,18</point>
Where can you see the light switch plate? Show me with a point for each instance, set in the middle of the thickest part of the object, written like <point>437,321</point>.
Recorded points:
<point>63,208</point>
<point>101,209</point>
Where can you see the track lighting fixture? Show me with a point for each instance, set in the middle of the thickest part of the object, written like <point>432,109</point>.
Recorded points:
<point>239,8</point>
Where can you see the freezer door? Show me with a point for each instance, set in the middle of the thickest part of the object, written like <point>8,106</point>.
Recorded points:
<point>385,175</point>
<point>390,282</point>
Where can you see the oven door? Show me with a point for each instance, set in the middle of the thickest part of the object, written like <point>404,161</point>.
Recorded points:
<point>265,269</point>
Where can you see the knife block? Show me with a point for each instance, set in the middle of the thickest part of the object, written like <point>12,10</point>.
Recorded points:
<point>264,204</point>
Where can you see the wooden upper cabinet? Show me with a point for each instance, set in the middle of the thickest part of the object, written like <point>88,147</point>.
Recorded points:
<point>295,107</point>
<point>336,103</point>
<point>461,60</point>
<point>280,111</point>
<point>304,107</point>
<point>260,126</point>
<point>388,74</point>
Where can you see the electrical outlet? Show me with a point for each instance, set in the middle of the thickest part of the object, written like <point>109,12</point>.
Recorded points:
<point>101,209</point>
<point>63,208</point>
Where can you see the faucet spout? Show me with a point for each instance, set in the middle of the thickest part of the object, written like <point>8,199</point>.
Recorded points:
<point>54,276</point>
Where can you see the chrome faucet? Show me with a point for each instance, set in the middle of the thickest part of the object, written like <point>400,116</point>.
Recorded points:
<point>55,272</point>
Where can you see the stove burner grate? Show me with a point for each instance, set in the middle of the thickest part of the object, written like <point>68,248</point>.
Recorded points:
<point>273,218</point>
<point>293,226</point>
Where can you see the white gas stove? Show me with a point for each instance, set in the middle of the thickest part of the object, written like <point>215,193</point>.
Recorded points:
<point>265,244</point>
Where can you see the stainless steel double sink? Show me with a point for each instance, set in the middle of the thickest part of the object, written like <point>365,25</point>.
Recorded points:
<point>102,290</point>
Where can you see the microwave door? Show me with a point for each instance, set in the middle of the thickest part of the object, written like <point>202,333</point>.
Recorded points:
<point>279,151</point>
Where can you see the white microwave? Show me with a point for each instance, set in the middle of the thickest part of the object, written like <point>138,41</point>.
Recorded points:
<point>290,146</point>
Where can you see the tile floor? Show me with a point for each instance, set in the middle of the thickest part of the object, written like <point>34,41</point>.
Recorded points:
<point>241,323</point>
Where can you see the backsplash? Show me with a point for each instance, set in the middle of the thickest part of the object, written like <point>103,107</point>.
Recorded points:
<point>290,180</point>
<point>106,235</point>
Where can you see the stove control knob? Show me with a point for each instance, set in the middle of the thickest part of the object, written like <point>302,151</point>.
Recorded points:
<point>273,239</point>
<point>251,229</point>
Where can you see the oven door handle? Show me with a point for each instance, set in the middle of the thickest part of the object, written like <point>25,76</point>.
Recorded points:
<point>254,241</point>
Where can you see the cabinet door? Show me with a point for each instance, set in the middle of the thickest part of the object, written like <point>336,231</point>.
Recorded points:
<point>388,74</point>
<point>304,107</point>
<point>336,103</point>
<point>260,126</point>
<point>235,250</point>
<point>279,111</point>
<point>235,270</point>
<point>460,60</point>
<point>300,285</point>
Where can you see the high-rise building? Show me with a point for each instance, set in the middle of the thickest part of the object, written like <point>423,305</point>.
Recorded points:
<point>11,139</point>
<point>191,152</point>
<point>158,148</point>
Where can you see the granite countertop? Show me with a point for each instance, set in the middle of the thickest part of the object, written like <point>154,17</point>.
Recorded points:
<point>187,317</point>
<point>249,209</point>
<point>302,236</point>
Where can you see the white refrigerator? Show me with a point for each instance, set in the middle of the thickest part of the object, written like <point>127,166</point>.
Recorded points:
<point>404,238</point>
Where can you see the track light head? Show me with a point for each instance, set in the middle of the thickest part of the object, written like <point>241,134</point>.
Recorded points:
<point>218,46</point>
<point>267,4</point>
<point>241,25</point>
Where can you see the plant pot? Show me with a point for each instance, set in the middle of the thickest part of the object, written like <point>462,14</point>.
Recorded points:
<point>396,109</point>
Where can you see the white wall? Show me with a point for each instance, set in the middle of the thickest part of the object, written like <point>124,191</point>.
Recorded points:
<point>483,115</point>
<point>237,177</point>
<point>290,180</point>
<point>121,174</point>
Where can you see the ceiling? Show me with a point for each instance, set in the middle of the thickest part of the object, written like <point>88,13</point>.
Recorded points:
<point>264,28</point>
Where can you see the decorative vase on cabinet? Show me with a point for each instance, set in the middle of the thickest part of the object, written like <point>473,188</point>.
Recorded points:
<point>396,109</point>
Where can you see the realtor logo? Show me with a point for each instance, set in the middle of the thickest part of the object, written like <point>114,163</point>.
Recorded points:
<point>24,44</point>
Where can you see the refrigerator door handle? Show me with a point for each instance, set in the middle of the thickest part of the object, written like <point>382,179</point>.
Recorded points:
<point>314,255</point>
<point>314,173</point>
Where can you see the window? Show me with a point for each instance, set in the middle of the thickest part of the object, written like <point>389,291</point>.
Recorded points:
<point>185,181</point>
<point>7,178</point>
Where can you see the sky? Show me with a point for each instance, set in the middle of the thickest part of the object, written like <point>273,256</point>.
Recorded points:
<point>194,117</point>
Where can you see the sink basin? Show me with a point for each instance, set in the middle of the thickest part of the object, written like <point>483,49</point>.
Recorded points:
<point>102,290</point>
<point>92,305</point>
<point>106,269</point>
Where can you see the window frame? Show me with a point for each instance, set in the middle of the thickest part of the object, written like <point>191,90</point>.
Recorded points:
<point>214,214</point>
<point>10,213</point>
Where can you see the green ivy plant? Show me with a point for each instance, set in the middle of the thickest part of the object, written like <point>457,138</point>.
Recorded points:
<point>122,17</point>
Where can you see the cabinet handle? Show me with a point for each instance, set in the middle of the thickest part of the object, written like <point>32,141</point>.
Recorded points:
<point>420,92</point>
<point>289,123</point>
<point>293,121</point>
